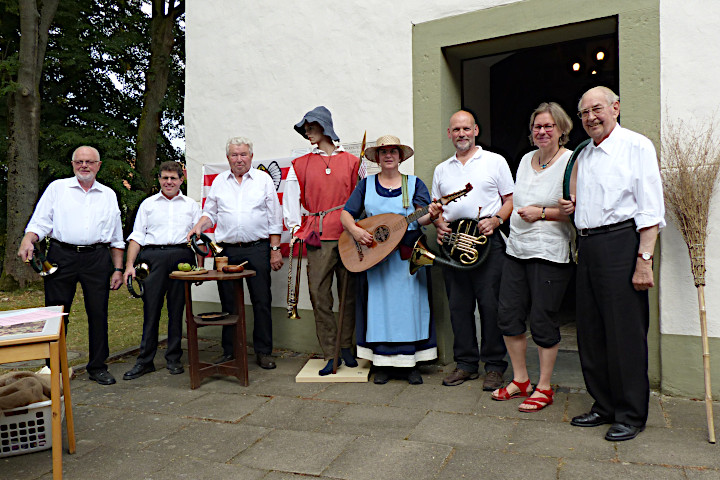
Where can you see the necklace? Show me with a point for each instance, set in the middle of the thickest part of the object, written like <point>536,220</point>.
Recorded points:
<point>544,165</point>
<point>327,164</point>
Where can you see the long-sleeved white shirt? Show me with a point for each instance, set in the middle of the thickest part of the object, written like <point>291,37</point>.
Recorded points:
<point>246,211</point>
<point>165,221</point>
<point>619,180</point>
<point>66,212</point>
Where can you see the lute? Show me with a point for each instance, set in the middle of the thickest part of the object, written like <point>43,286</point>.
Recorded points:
<point>387,230</point>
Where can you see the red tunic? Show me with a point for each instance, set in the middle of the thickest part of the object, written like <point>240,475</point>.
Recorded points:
<point>320,191</point>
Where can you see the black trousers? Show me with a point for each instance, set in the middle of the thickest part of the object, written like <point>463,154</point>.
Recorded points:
<point>258,258</point>
<point>480,286</point>
<point>158,286</point>
<point>93,270</point>
<point>612,326</point>
<point>532,291</point>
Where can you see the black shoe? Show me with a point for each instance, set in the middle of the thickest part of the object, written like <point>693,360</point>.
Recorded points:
<point>265,361</point>
<point>620,431</point>
<point>103,377</point>
<point>175,368</point>
<point>590,419</point>
<point>382,376</point>
<point>223,358</point>
<point>348,357</point>
<point>328,369</point>
<point>138,371</point>
<point>414,377</point>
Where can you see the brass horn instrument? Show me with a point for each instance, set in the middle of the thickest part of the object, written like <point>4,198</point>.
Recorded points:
<point>422,256</point>
<point>142,270</point>
<point>211,248</point>
<point>463,242</point>
<point>294,289</point>
<point>40,264</point>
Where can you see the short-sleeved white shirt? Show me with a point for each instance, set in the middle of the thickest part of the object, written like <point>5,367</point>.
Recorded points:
<point>489,175</point>
<point>165,221</point>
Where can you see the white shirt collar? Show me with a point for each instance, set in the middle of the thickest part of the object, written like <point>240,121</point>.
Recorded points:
<point>316,150</point>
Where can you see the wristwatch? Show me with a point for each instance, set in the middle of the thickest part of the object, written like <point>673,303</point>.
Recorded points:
<point>645,255</point>
<point>500,218</point>
<point>275,248</point>
<point>542,215</point>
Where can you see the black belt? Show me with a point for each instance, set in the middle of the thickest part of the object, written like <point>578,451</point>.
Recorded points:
<point>244,245</point>
<point>165,247</point>
<point>80,248</point>
<point>584,232</point>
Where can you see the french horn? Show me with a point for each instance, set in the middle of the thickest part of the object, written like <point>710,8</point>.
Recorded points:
<point>422,256</point>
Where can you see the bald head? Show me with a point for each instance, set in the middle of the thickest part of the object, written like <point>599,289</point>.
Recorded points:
<point>462,131</point>
<point>599,109</point>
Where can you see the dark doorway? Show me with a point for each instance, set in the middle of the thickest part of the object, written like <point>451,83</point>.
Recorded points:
<point>503,89</point>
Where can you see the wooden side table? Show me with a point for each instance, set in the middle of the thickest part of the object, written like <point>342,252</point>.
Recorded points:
<point>48,344</point>
<point>237,367</point>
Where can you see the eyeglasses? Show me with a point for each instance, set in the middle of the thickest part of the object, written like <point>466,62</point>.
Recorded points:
<point>89,163</point>
<point>548,128</point>
<point>596,110</point>
<point>165,179</point>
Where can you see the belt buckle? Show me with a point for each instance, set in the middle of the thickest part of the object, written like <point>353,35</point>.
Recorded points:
<point>583,232</point>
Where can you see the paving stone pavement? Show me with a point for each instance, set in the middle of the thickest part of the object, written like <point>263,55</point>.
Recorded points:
<point>157,428</point>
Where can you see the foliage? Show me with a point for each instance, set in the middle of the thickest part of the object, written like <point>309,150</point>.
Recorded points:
<point>690,166</point>
<point>92,89</point>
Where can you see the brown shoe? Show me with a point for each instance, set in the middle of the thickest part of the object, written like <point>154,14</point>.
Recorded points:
<point>265,361</point>
<point>493,381</point>
<point>458,376</point>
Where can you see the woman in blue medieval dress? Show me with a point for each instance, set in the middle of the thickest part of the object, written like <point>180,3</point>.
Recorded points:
<point>394,327</point>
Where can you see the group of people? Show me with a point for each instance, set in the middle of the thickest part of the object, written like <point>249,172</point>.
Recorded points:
<point>600,207</point>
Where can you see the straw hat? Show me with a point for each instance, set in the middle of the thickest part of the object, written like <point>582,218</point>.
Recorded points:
<point>388,141</point>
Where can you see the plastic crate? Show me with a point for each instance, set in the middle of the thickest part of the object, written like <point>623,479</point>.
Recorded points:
<point>26,429</point>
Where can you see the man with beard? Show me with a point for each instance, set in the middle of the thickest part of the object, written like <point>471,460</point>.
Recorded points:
<point>82,218</point>
<point>492,191</point>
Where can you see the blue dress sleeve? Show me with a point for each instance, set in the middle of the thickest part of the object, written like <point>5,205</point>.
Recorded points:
<point>422,195</point>
<point>356,203</point>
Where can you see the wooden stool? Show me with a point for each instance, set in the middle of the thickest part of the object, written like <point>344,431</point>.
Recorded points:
<point>237,367</point>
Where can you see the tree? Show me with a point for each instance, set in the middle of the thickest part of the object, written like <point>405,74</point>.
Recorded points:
<point>23,96</point>
<point>162,38</point>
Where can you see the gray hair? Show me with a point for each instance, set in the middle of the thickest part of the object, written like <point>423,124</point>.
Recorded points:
<point>562,120</point>
<point>238,141</point>
<point>97,154</point>
<point>610,96</point>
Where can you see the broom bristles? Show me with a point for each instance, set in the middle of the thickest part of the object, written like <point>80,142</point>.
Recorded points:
<point>690,165</point>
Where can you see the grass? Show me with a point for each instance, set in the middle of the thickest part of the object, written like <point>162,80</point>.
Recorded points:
<point>125,318</point>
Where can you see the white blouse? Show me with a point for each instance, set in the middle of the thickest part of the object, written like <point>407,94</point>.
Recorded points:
<point>542,239</point>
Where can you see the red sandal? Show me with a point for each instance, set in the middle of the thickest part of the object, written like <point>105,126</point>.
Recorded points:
<point>538,402</point>
<point>504,395</point>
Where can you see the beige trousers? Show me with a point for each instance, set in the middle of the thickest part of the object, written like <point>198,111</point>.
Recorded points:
<point>322,263</point>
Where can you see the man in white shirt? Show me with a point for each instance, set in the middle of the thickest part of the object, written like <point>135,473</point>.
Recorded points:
<point>322,181</point>
<point>492,192</point>
<point>244,206</point>
<point>82,219</point>
<point>161,224</point>
<point>619,210</point>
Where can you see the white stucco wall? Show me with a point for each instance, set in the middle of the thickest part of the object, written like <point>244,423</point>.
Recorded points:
<point>254,70</point>
<point>689,87</point>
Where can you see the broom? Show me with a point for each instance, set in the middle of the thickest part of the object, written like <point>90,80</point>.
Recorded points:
<point>691,161</point>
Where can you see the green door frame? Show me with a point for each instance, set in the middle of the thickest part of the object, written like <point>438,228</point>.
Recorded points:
<point>440,46</point>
